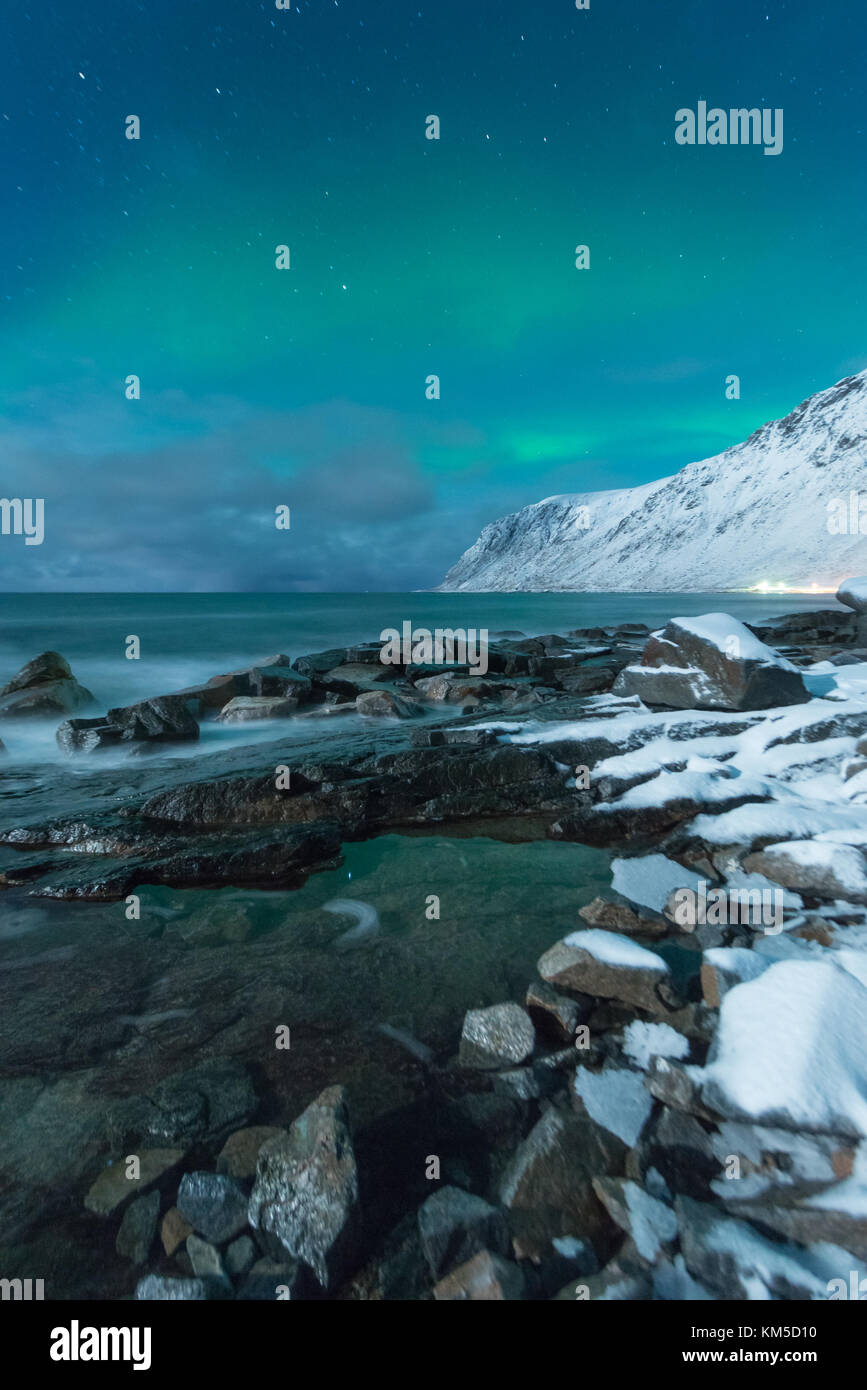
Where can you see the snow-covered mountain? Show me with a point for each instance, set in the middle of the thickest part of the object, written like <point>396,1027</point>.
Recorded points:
<point>777,508</point>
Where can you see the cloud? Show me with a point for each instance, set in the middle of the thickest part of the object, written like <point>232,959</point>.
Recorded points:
<point>196,510</point>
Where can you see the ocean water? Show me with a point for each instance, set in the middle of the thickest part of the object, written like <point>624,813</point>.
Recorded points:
<point>186,638</point>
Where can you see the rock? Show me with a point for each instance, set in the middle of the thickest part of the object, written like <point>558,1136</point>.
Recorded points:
<point>723,968</point>
<point>138,1228</point>
<point>500,1036</point>
<point>681,1150</point>
<point>677,1086</point>
<point>804,1164</point>
<point>245,708</point>
<point>521,1084</point>
<point>607,966</point>
<point>382,704</point>
<point>711,662</point>
<point>174,1231</point>
<point>88,735</point>
<point>651,1224</point>
<point>275,1279</point>
<point>806,1225</point>
<point>166,719</point>
<point>205,1260</point>
<point>113,1190</point>
<point>276,678</point>
<point>554,1014</point>
<point>305,1197</point>
<point>214,1204</point>
<point>548,1185</point>
<point>486,1278</point>
<point>240,1152</point>
<point>734,1261</point>
<point>816,868</point>
<point>240,1256</point>
<point>454,1225</point>
<point>853,592</point>
<point>162,1288</point>
<point>44,686</point>
<point>456,689</point>
<point>621,917</point>
<point>203,1104</point>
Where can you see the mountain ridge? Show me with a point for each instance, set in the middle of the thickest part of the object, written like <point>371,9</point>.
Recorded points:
<point>757,512</point>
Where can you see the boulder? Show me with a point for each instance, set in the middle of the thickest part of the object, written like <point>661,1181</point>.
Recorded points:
<point>240,1153</point>
<point>113,1190</point>
<point>174,1230</point>
<point>166,719</point>
<point>382,704</point>
<point>138,1228</point>
<point>555,1015</point>
<point>305,1197</point>
<point>43,687</point>
<point>853,592</point>
<point>816,868</point>
<point>454,1225</point>
<point>486,1278</point>
<point>206,1260</point>
<point>214,1204</point>
<point>711,662</point>
<point>607,966</point>
<point>548,1185</point>
<point>88,735</point>
<point>500,1036</point>
<point>244,708</point>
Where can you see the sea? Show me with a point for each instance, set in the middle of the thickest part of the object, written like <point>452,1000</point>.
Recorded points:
<point>187,638</point>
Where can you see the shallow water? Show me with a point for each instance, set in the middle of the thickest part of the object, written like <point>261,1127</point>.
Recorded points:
<point>97,1008</point>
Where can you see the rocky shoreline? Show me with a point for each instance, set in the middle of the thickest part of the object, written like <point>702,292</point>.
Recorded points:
<point>676,1108</point>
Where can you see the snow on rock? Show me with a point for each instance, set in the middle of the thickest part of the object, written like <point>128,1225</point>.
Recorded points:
<point>853,592</point>
<point>682,532</point>
<point>650,880</point>
<point>616,1099</point>
<point>642,1041</point>
<point>610,948</point>
<point>649,1222</point>
<point>711,662</point>
<point>722,969</point>
<point>818,868</point>
<point>731,1258</point>
<point>791,1050</point>
<point>608,966</point>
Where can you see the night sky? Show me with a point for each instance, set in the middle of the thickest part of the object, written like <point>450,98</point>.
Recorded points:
<point>409,257</point>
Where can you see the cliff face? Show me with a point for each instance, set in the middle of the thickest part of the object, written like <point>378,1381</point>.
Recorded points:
<point>759,511</point>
